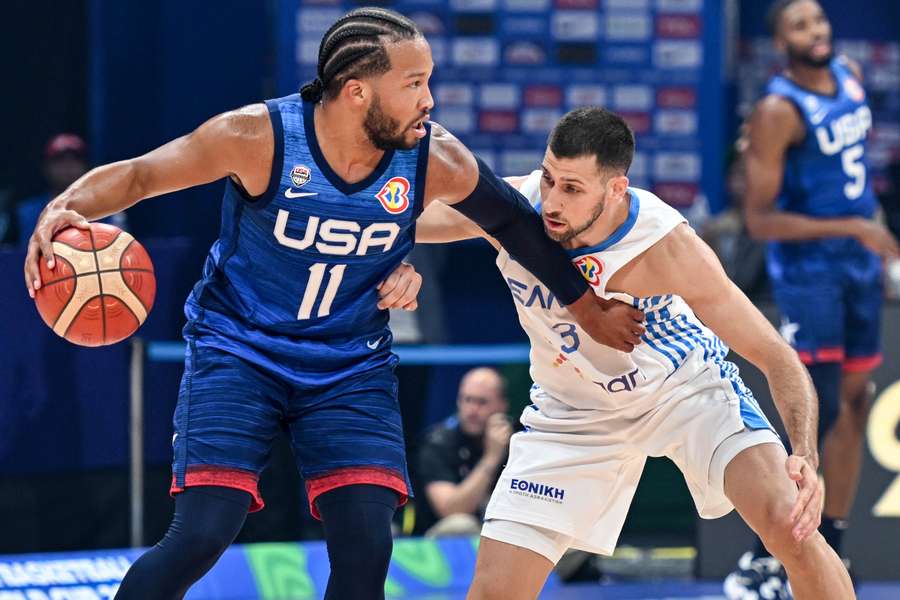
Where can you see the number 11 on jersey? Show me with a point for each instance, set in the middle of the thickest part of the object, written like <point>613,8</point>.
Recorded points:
<point>316,275</point>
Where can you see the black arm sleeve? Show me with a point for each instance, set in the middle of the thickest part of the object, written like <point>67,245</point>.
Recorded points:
<point>506,215</point>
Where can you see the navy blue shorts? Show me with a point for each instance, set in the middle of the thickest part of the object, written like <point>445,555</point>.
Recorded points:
<point>230,411</point>
<point>833,319</point>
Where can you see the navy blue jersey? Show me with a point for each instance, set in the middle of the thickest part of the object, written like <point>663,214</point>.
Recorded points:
<point>826,175</point>
<point>292,278</point>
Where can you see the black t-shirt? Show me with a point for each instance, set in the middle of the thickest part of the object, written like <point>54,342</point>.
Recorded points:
<point>445,454</point>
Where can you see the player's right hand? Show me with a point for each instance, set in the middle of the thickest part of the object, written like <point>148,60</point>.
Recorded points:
<point>877,238</point>
<point>610,322</point>
<point>400,289</point>
<point>52,219</point>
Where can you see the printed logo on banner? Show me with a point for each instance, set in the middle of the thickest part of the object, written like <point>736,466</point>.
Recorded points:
<point>429,23</point>
<point>500,95</point>
<point>577,4</point>
<point>676,97</point>
<point>638,121</point>
<point>678,26</point>
<point>473,5</point>
<point>628,4</point>
<point>575,25</point>
<point>676,122</point>
<point>483,52</point>
<point>627,26</point>
<point>454,94</point>
<point>543,95</point>
<point>540,120</point>
<point>627,55</point>
<point>526,5</point>
<point>525,53</point>
<point>498,121</point>
<point>308,52</point>
<point>520,161</point>
<point>317,20</point>
<point>679,6</point>
<point>638,168</point>
<point>521,26</point>
<point>457,119</point>
<point>677,54</point>
<point>585,95</point>
<point>676,166</point>
<point>677,194</point>
<point>633,97</point>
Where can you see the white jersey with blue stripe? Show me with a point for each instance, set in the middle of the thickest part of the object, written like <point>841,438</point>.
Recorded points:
<point>678,354</point>
<point>292,278</point>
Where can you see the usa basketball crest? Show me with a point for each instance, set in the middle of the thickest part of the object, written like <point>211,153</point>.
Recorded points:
<point>300,175</point>
<point>394,195</point>
<point>854,90</point>
<point>590,268</point>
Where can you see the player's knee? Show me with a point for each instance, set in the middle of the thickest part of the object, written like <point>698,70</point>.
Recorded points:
<point>369,552</point>
<point>487,586</point>
<point>776,529</point>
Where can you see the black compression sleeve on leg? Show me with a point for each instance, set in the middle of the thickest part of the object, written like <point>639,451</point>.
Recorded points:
<point>506,215</point>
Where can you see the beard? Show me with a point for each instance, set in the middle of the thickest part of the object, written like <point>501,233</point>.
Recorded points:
<point>384,131</point>
<point>571,232</point>
<point>807,60</point>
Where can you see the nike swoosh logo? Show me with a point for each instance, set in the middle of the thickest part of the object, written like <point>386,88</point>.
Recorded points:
<point>288,193</point>
<point>373,345</point>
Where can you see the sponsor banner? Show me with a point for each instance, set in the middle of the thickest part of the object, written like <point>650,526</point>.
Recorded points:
<point>627,55</point>
<point>308,52</point>
<point>638,167</point>
<point>638,121</point>
<point>439,52</point>
<point>483,52</point>
<point>577,4</point>
<point>575,25</point>
<point>520,162</point>
<point>526,5</point>
<point>633,27</point>
<point>498,121</point>
<point>632,97</point>
<point>500,95</point>
<point>419,568</point>
<point>679,6</point>
<point>679,195</point>
<point>525,53</point>
<point>519,26</point>
<point>456,119</point>
<point>675,122</point>
<point>473,5</point>
<point>585,95</point>
<point>627,4</point>
<point>454,94</point>
<point>677,54</point>
<point>678,26</point>
<point>676,97</point>
<point>543,95</point>
<point>430,23</point>
<point>676,167</point>
<point>540,120</point>
<point>316,21</point>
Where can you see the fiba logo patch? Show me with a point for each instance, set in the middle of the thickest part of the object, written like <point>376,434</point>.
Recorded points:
<point>854,90</point>
<point>300,175</point>
<point>591,268</point>
<point>394,195</point>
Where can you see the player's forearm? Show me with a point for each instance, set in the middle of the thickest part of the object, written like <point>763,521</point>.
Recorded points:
<point>103,191</point>
<point>795,398</point>
<point>788,226</point>
<point>468,495</point>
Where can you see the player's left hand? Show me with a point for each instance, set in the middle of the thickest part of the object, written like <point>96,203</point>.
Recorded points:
<point>807,512</point>
<point>400,289</point>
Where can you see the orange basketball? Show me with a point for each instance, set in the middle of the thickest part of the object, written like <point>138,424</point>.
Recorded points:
<point>101,288</point>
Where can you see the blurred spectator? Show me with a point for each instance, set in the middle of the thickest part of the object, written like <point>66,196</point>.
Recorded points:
<point>460,458</point>
<point>65,160</point>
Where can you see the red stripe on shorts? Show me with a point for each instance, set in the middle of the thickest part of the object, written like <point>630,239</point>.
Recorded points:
<point>316,486</point>
<point>821,355</point>
<point>222,477</point>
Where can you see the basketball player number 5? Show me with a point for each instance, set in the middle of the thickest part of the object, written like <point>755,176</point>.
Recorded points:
<point>316,275</point>
<point>854,168</point>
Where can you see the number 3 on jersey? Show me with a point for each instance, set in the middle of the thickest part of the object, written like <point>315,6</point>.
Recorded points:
<point>316,275</point>
<point>569,334</point>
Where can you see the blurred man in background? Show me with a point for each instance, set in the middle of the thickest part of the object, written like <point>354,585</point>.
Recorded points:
<point>809,194</point>
<point>65,160</point>
<point>460,458</point>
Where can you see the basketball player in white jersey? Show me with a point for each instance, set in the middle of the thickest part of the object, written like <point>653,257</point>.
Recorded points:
<point>598,413</point>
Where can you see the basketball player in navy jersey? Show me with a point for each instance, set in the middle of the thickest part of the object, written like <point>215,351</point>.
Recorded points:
<point>809,195</point>
<point>284,329</point>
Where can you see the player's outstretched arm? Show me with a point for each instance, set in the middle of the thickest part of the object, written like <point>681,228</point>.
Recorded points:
<point>730,314</point>
<point>457,179</point>
<point>775,126</point>
<point>239,144</point>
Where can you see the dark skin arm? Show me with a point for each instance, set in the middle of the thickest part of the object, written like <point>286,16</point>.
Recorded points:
<point>774,127</point>
<point>239,144</point>
<point>452,176</point>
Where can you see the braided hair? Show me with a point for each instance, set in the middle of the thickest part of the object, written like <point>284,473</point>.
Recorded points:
<point>354,47</point>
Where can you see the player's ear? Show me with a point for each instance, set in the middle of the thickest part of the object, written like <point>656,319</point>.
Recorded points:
<point>357,91</point>
<point>616,186</point>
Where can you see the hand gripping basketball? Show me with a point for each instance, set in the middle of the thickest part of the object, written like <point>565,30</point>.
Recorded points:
<point>101,286</point>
